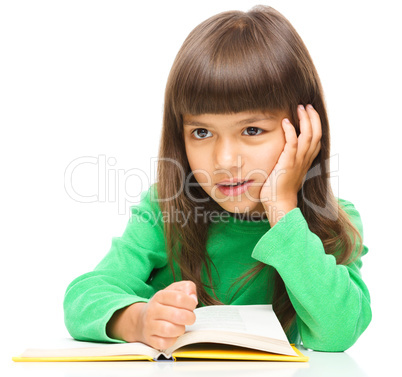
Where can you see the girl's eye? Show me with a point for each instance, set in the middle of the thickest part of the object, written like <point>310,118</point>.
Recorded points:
<point>253,133</point>
<point>197,129</point>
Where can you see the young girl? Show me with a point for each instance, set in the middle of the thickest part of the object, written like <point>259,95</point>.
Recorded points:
<point>243,105</point>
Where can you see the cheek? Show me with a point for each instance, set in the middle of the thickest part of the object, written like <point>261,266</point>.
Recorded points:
<point>198,166</point>
<point>265,158</point>
<point>191,158</point>
<point>194,161</point>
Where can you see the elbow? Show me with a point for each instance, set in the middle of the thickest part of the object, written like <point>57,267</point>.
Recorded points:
<point>339,344</point>
<point>328,343</point>
<point>337,338</point>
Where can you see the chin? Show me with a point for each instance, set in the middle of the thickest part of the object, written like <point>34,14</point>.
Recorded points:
<point>240,206</point>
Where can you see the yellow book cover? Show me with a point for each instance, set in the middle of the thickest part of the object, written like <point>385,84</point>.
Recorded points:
<point>192,352</point>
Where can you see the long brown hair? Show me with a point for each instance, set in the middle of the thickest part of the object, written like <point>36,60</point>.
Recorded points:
<point>243,61</point>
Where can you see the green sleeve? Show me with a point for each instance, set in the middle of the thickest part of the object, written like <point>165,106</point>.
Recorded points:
<point>118,280</point>
<point>331,301</point>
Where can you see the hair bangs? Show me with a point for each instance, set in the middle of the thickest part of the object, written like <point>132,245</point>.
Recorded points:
<point>229,69</point>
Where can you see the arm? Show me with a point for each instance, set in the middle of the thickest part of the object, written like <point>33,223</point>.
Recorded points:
<point>332,302</point>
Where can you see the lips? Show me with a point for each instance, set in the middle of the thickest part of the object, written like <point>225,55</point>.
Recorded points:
<point>233,182</point>
<point>234,190</point>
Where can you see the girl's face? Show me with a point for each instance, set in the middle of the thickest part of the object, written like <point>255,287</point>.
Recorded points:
<point>244,146</point>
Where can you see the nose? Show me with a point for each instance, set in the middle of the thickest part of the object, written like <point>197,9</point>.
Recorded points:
<point>227,155</point>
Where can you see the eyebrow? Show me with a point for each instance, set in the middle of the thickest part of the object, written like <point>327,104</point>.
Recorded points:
<point>240,123</point>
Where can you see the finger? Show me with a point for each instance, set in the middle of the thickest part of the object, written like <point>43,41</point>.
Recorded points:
<point>161,343</point>
<point>306,133</point>
<point>315,153</point>
<point>290,149</point>
<point>167,329</point>
<point>176,299</point>
<point>186,286</point>
<point>174,315</point>
<point>317,130</point>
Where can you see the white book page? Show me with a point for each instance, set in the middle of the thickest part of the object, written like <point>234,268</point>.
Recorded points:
<point>71,348</point>
<point>257,320</point>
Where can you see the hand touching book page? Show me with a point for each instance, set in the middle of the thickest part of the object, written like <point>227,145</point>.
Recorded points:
<point>240,332</point>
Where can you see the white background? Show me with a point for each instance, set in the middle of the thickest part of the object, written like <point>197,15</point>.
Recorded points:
<point>86,79</point>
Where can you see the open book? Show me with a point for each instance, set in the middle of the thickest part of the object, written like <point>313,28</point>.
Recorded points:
<point>238,332</point>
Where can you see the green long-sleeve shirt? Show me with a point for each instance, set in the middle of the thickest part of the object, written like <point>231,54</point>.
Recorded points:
<point>332,302</point>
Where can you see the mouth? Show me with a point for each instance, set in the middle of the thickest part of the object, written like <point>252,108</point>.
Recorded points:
<point>234,189</point>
